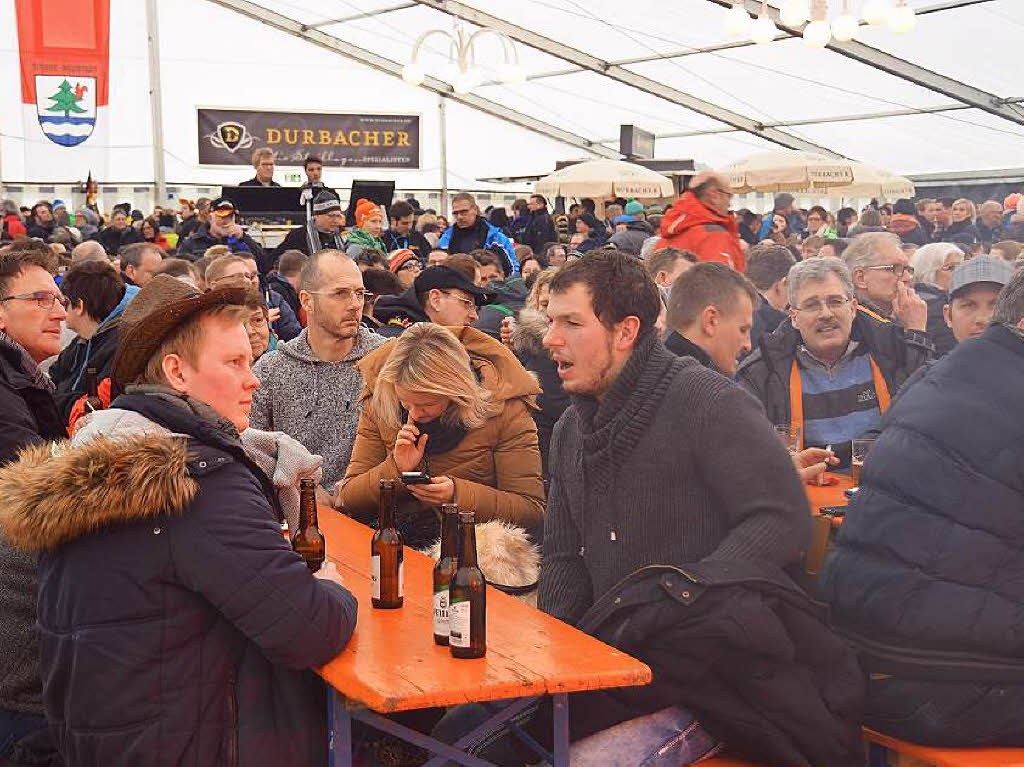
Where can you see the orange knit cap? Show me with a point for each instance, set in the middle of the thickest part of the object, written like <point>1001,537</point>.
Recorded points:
<point>398,258</point>
<point>365,210</point>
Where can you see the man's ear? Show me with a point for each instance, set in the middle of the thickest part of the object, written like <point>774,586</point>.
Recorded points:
<point>858,277</point>
<point>306,301</point>
<point>626,332</point>
<point>173,368</point>
<point>709,319</point>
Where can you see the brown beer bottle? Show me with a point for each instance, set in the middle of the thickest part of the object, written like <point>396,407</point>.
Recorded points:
<point>386,566</point>
<point>309,541</point>
<point>467,597</point>
<point>92,388</point>
<point>445,569</point>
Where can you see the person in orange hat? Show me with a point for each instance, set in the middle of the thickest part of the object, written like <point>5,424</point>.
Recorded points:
<point>404,263</point>
<point>369,226</point>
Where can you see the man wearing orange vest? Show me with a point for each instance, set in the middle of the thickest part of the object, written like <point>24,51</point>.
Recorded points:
<point>831,368</point>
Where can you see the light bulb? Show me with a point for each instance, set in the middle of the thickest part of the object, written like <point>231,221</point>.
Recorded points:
<point>763,30</point>
<point>413,73</point>
<point>901,19</point>
<point>817,34</point>
<point>793,13</point>
<point>512,74</point>
<point>737,22</point>
<point>875,12</point>
<point>844,27</point>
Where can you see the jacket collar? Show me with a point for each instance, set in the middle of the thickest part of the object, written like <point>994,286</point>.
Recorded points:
<point>23,373</point>
<point>681,346</point>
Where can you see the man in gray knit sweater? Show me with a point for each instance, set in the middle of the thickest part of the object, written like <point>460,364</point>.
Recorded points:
<point>659,461</point>
<point>309,387</point>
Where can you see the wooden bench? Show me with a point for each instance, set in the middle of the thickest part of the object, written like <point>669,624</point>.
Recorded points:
<point>948,757</point>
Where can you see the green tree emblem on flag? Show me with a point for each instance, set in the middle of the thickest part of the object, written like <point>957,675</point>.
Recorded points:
<point>65,100</point>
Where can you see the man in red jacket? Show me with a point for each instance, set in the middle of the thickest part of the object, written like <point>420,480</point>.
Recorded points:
<point>700,222</point>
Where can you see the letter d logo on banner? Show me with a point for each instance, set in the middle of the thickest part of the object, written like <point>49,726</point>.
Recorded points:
<point>65,53</point>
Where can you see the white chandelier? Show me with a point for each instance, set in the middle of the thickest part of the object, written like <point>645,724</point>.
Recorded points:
<point>462,58</point>
<point>812,15</point>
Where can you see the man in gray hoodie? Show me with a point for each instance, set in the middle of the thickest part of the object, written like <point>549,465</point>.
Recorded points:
<point>309,387</point>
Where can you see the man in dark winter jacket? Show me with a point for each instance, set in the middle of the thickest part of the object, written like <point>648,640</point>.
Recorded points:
<point>285,279</point>
<point>41,222</point>
<point>118,234</point>
<point>881,276</point>
<point>439,295</point>
<point>925,572</point>
<point>710,312</point>
<point>540,227</point>
<point>403,234</point>
<point>904,223</point>
<point>97,298</point>
<point>768,267</point>
<point>472,232</point>
<point>31,312</point>
<point>204,656</point>
<point>632,238</point>
<point>831,369</point>
<point>222,229</point>
<point>323,232</point>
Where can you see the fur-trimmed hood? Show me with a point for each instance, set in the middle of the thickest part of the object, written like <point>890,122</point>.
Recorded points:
<point>528,336</point>
<point>56,493</point>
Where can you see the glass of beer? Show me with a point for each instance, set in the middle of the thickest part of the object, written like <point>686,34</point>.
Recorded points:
<point>790,436</point>
<point>860,452</point>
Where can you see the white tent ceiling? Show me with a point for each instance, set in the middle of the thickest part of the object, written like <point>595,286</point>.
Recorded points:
<point>214,55</point>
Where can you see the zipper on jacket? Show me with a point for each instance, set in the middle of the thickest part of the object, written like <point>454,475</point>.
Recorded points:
<point>232,724</point>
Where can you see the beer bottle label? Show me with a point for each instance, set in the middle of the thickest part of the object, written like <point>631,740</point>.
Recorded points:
<point>458,624</point>
<point>375,577</point>
<point>441,612</point>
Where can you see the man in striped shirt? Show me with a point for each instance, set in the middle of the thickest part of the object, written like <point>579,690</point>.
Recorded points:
<point>831,369</point>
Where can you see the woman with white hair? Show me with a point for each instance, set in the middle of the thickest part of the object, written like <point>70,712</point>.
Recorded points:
<point>933,269</point>
<point>454,404</point>
<point>962,216</point>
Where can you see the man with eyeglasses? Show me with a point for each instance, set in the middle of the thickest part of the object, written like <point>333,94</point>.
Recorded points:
<point>241,270</point>
<point>310,387</point>
<point>471,231</point>
<point>31,312</point>
<point>439,294</point>
<point>882,278</point>
<point>700,222</point>
<point>831,370</point>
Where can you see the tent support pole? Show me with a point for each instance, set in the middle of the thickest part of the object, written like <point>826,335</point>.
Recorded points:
<point>156,110</point>
<point>442,111</point>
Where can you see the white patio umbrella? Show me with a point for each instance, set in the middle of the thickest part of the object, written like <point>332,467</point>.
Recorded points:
<point>605,178</point>
<point>813,173</point>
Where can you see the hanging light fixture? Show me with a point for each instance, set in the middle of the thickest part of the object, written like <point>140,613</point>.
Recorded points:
<point>466,75</point>
<point>763,30</point>
<point>818,33</point>
<point>737,21</point>
<point>901,19</point>
<point>845,25</point>
<point>876,12</point>
<point>793,13</point>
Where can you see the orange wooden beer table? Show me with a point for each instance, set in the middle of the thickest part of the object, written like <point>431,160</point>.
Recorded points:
<point>392,664</point>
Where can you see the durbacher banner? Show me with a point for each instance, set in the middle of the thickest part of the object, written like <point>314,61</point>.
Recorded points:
<point>65,54</point>
<point>229,136</point>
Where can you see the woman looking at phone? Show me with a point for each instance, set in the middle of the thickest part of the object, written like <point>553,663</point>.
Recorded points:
<point>455,404</point>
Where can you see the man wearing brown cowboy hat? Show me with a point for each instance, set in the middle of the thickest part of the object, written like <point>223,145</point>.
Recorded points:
<point>177,626</point>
